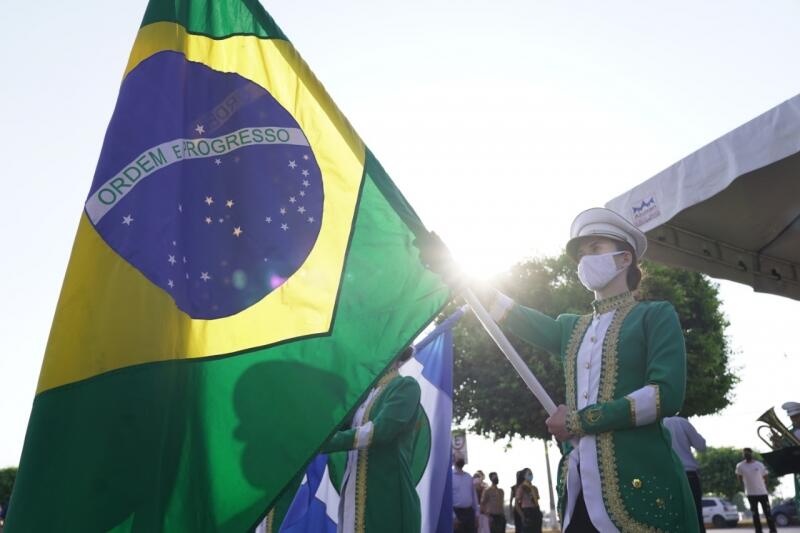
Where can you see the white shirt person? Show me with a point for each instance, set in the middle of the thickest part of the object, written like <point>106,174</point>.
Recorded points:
<point>754,476</point>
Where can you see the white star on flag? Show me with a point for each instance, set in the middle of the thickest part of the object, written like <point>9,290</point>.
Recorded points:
<point>171,260</point>
<point>204,276</point>
<point>170,283</point>
<point>306,183</point>
<point>229,203</point>
<point>221,220</point>
<point>304,173</point>
<point>208,220</point>
<point>200,129</point>
<point>283,210</point>
<point>292,164</point>
<point>292,199</point>
<point>301,209</point>
<point>284,227</point>
<point>218,162</point>
<point>127,220</point>
<point>305,157</point>
<point>209,200</point>
<point>268,220</point>
<point>311,219</point>
<point>302,193</point>
<point>237,231</point>
<point>180,208</point>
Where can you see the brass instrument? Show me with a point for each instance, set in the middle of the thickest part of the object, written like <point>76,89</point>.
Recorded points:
<point>780,436</point>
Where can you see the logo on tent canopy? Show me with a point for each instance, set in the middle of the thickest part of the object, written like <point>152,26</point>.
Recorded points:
<point>645,211</point>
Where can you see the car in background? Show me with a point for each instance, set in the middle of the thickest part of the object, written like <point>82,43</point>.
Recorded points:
<point>785,512</point>
<point>719,512</point>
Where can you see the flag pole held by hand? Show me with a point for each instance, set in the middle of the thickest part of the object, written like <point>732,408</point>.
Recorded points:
<point>508,350</point>
<point>437,257</point>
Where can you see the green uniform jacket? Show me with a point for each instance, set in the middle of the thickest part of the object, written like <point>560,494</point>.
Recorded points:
<point>386,495</point>
<point>643,483</point>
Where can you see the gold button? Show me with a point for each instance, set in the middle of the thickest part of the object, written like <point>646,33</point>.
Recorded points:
<point>588,365</point>
<point>637,483</point>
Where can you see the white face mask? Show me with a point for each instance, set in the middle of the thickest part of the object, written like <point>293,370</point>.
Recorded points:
<point>597,271</point>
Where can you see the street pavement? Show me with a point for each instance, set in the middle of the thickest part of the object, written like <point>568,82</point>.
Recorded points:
<point>740,529</point>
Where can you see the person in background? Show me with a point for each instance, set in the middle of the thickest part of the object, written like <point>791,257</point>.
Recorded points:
<point>378,489</point>
<point>684,438</point>
<point>514,513</point>
<point>492,505</point>
<point>478,480</point>
<point>528,504</point>
<point>753,474</point>
<point>465,500</point>
<point>793,410</point>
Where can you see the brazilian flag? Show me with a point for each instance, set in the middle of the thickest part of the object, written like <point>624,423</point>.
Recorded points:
<point>243,271</point>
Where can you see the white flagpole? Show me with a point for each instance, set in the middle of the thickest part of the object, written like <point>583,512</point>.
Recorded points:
<point>508,350</point>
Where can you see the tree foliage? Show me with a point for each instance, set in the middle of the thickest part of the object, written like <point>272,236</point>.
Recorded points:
<point>7,477</point>
<point>718,471</point>
<point>710,380</point>
<point>490,395</point>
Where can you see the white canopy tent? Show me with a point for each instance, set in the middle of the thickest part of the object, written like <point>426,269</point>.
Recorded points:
<point>732,208</point>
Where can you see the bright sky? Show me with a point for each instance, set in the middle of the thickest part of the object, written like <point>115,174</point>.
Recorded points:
<point>498,120</point>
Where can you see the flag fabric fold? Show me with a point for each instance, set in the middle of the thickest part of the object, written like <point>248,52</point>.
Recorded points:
<point>243,272</point>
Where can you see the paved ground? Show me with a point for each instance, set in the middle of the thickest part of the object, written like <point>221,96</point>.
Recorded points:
<point>743,528</point>
<point>791,529</point>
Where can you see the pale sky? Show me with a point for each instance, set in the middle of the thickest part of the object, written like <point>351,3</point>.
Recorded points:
<point>498,120</point>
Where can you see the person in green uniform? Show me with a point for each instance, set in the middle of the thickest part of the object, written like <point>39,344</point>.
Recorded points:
<point>793,410</point>
<point>378,493</point>
<point>625,369</point>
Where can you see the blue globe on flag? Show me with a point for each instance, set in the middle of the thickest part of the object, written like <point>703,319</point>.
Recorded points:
<point>216,200</point>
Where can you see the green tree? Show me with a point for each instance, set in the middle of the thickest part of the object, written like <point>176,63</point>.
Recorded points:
<point>696,299</point>
<point>7,477</point>
<point>718,467</point>
<point>494,399</point>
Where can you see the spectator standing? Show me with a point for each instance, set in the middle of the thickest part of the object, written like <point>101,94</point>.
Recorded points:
<point>478,480</point>
<point>684,438</point>
<point>492,502</point>
<point>528,504</point>
<point>754,476</point>
<point>465,500</point>
<point>511,503</point>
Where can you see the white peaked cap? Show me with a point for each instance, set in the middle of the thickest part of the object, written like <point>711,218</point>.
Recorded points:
<point>792,408</point>
<point>602,222</point>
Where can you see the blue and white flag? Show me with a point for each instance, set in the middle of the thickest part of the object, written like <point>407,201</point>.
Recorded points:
<point>432,367</point>
<point>315,506</point>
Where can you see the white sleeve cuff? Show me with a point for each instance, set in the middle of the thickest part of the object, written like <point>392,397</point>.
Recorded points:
<point>645,405</point>
<point>364,435</point>
<point>500,306</point>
